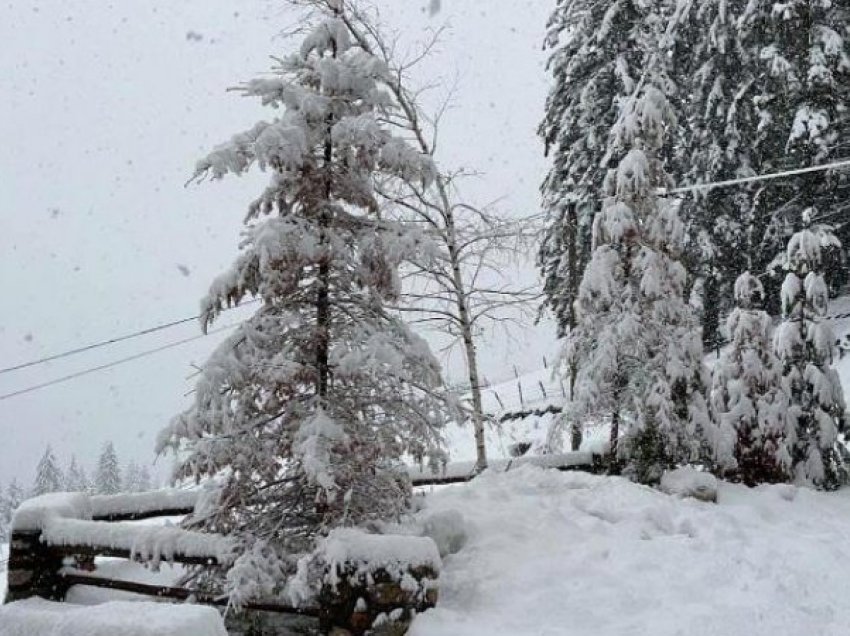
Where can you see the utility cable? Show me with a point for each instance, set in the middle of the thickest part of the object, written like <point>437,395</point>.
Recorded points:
<point>844,163</point>
<point>110,341</point>
<point>114,363</point>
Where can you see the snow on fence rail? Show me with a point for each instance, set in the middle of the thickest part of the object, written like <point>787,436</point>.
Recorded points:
<point>458,472</point>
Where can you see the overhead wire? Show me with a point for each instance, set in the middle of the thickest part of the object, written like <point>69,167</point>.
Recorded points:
<point>111,341</point>
<point>844,163</point>
<point>114,363</point>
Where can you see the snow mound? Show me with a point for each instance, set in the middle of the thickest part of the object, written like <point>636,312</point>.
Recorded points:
<point>553,552</point>
<point>689,482</point>
<point>447,528</point>
<point>46,618</point>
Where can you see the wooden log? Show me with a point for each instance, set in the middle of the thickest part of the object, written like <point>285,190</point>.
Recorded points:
<point>180,594</point>
<point>145,514</point>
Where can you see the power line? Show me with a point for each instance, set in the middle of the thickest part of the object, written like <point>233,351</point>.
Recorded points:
<point>662,191</point>
<point>115,363</point>
<point>110,341</point>
<point>844,163</point>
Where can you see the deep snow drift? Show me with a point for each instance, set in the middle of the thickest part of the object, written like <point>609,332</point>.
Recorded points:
<point>572,553</point>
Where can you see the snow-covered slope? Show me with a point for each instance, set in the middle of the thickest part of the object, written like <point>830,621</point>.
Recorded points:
<point>570,553</point>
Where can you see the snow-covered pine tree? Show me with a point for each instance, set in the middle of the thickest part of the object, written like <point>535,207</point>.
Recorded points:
<point>48,477</point>
<point>719,68</point>
<point>805,344</point>
<point>637,344</point>
<point>132,476</point>
<point>802,100</point>
<point>9,502</point>
<point>145,481</point>
<point>304,412</point>
<point>107,479</point>
<point>752,435</point>
<point>76,479</point>
<point>769,87</point>
<point>598,54</point>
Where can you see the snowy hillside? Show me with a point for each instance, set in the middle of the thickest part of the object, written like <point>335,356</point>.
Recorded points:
<point>571,553</point>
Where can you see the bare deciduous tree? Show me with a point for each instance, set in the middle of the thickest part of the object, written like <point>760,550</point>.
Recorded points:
<point>465,285</point>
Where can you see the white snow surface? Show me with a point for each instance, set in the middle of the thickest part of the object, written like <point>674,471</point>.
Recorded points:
<point>551,553</point>
<point>46,618</point>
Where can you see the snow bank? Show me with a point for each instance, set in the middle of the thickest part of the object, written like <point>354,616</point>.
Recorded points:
<point>553,552</point>
<point>689,482</point>
<point>46,618</point>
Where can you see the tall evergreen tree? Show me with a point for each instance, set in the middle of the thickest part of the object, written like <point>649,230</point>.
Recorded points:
<point>769,87</point>
<point>48,477</point>
<point>754,437</point>
<point>598,54</point>
<point>304,411</point>
<point>76,479</point>
<point>107,479</point>
<point>806,345</point>
<point>637,343</point>
<point>145,482</point>
<point>13,497</point>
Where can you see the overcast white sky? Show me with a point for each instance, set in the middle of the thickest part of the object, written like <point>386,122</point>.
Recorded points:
<point>104,108</point>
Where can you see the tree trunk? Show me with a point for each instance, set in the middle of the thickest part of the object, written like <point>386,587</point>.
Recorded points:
<point>468,342</point>
<point>572,264</point>
<point>323,305</point>
<point>614,440</point>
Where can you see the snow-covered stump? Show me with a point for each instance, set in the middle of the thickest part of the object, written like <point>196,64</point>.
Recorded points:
<point>690,482</point>
<point>375,584</point>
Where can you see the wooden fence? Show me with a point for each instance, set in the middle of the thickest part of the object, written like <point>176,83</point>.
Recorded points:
<point>56,539</point>
<point>41,566</point>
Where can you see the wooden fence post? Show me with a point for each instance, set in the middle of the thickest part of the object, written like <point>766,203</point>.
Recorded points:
<point>33,569</point>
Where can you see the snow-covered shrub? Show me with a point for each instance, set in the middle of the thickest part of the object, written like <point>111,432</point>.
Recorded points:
<point>367,581</point>
<point>752,433</point>
<point>304,412</point>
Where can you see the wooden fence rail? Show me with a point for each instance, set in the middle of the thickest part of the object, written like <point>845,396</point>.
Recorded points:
<point>460,472</point>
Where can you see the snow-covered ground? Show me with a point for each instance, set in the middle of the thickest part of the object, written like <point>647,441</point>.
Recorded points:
<point>572,553</point>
